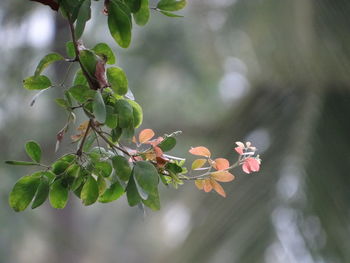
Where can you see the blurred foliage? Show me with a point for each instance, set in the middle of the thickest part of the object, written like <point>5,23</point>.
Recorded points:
<point>274,72</point>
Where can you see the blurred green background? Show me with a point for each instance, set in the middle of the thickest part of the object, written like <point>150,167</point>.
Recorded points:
<point>275,72</point>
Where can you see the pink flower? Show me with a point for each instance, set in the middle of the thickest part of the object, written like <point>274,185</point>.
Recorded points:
<point>251,164</point>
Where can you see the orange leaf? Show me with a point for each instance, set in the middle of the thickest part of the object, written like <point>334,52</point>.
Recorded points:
<point>207,186</point>
<point>145,135</point>
<point>201,151</point>
<point>221,164</point>
<point>199,184</point>
<point>223,176</point>
<point>218,188</point>
<point>198,163</point>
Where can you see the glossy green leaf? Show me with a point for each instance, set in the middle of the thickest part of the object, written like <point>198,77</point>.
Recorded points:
<point>46,61</point>
<point>169,14</point>
<point>146,176</point>
<point>122,167</point>
<point>137,113</point>
<point>167,144</point>
<point>23,192</point>
<point>119,22</point>
<point>70,49</point>
<point>111,118</point>
<point>102,49</point>
<point>37,83</point>
<point>103,168</point>
<point>20,163</point>
<point>77,183</point>
<point>88,59</point>
<point>101,183</point>
<point>112,193</point>
<point>42,192</point>
<point>153,201</point>
<point>99,108</point>
<point>84,15</point>
<point>59,167</point>
<point>33,150</point>
<point>141,17</point>
<point>58,194</point>
<point>89,192</point>
<point>68,158</point>
<point>81,93</point>
<point>125,114</point>
<point>132,193</point>
<point>118,80</point>
<point>171,5</point>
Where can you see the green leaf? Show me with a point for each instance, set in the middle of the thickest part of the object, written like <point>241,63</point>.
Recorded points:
<point>134,5</point>
<point>23,192</point>
<point>70,49</point>
<point>101,183</point>
<point>62,103</point>
<point>59,167</point>
<point>77,183</point>
<point>121,167</point>
<point>116,134</point>
<point>153,201</point>
<point>103,168</point>
<point>99,108</point>
<point>112,193</point>
<point>79,79</point>
<point>169,14</point>
<point>37,82</point>
<point>89,142</point>
<point>167,144</point>
<point>132,193</point>
<point>46,61</point>
<point>33,150</point>
<point>84,15</point>
<point>137,113</point>
<point>125,114</point>
<point>102,49</point>
<point>58,195</point>
<point>20,163</point>
<point>119,23</point>
<point>111,118</point>
<point>42,192</point>
<point>171,5</point>
<point>146,176</point>
<point>81,93</point>
<point>89,193</point>
<point>118,80</point>
<point>88,59</point>
<point>141,17</point>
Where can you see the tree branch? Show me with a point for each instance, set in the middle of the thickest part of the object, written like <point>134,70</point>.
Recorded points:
<point>54,6</point>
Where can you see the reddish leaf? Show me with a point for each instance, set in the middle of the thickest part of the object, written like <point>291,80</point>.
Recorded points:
<point>201,151</point>
<point>100,73</point>
<point>221,164</point>
<point>145,135</point>
<point>199,184</point>
<point>207,186</point>
<point>218,188</point>
<point>223,176</point>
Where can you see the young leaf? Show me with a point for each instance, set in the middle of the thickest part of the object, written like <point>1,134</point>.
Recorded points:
<point>46,61</point>
<point>137,113</point>
<point>33,150</point>
<point>42,192</point>
<point>171,5</point>
<point>119,23</point>
<point>221,164</point>
<point>132,193</point>
<point>223,176</point>
<point>146,176</point>
<point>198,163</point>
<point>58,195</point>
<point>141,17</point>
<point>201,151</point>
<point>90,191</point>
<point>121,167</point>
<point>218,188</point>
<point>37,83</point>
<point>23,192</point>
<point>118,80</point>
<point>84,15</point>
<point>102,49</point>
<point>145,135</point>
<point>99,108</point>
<point>112,193</point>
<point>167,144</point>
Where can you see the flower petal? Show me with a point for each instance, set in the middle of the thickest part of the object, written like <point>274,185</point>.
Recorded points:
<point>239,150</point>
<point>201,151</point>
<point>221,164</point>
<point>145,135</point>
<point>223,176</point>
<point>240,144</point>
